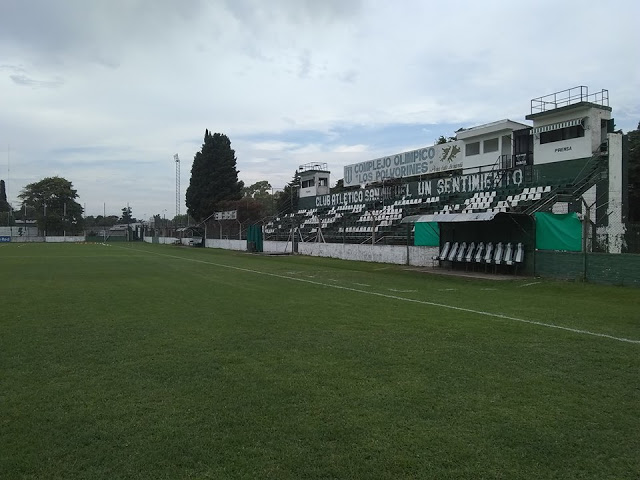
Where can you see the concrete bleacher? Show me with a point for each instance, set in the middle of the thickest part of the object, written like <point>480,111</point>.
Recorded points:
<point>355,223</point>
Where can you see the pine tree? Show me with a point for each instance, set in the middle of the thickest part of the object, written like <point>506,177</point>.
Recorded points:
<point>214,177</point>
<point>4,205</point>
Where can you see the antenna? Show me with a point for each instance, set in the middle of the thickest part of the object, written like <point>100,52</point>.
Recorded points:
<point>177,160</point>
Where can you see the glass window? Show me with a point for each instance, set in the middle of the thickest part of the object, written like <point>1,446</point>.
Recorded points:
<point>490,145</point>
<point>562,134</point>
<point>472,149</point>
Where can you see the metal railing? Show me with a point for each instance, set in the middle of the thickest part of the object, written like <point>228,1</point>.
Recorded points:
<point>569,97</point>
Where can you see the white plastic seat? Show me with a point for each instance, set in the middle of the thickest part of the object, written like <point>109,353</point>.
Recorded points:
<point>488,253</point>
<point>498,254</point>
<point>508,254</point>
<point>444,252</point>
<point>469,256</point>
<point>453,252</point>
<point>461,251</point>
<point>519,255</point>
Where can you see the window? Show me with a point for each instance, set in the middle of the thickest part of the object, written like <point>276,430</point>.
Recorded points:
<point>308,183</point>
<point>490,145</point>
<point>323,182</point>
<point>562,134</point>
<point>472,149</point>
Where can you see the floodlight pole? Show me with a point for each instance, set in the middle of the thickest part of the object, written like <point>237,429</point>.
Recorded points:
<point>176,158</point>
<point>164,222</point>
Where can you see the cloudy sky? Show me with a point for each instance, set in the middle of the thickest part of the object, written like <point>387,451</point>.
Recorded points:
<point>105,92</point>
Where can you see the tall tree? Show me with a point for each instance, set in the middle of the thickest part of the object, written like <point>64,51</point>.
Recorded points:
<point>258,190</point>
<point>53,200</point>
<point>126,216</point>
<point>261,192</point>
<point>214,177</point>
<point>4,205</point>
<point>181,220</point>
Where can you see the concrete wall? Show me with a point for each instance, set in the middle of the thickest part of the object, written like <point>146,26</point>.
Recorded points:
<point>52,239</point>
<point>226,244</point>
<point>167,240</point>
<point>616,227</point>
<point>27,239</point>
<point>276,247</point>
<point>61,239</point>
<point>397,254</point>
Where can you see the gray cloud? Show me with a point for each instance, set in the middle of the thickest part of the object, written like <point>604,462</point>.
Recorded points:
<point>21,79</point>
<point>69,31</point>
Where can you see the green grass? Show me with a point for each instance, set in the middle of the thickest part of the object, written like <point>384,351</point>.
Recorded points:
<point>155,362</point>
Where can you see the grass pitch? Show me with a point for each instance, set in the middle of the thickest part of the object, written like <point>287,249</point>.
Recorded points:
<point>157,362</point>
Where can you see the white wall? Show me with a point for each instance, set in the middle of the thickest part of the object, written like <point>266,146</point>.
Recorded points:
<point>616,228</point>
<point>396,254</point>
<point>277,247</point>
<point>27,239</point>
<point>485,158</point>
<point>167,240</point>
<point>581,147</point>
<point>51,239</point>
<point>226,244</point>
<point>61,239</point>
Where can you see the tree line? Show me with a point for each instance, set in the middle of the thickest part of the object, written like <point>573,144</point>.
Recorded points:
<point>52,203</point>
<point>214,186</point>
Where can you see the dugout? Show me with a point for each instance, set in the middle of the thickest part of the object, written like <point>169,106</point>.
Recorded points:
<point>436,229</point>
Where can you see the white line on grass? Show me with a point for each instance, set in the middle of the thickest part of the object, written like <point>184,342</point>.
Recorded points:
<point>395,297</point>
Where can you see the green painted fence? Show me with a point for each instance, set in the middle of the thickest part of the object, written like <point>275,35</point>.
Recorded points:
<point>606,268</point>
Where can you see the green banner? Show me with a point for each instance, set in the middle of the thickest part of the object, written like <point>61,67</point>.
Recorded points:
<point>427,234</point>
<point>558,232</point>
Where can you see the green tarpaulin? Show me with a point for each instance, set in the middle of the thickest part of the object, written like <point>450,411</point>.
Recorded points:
<point>427,234</point>
<point>558,232</point>
<point>254,238</point>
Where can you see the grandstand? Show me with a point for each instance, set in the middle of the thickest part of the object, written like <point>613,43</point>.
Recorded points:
<point>497,183</point>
